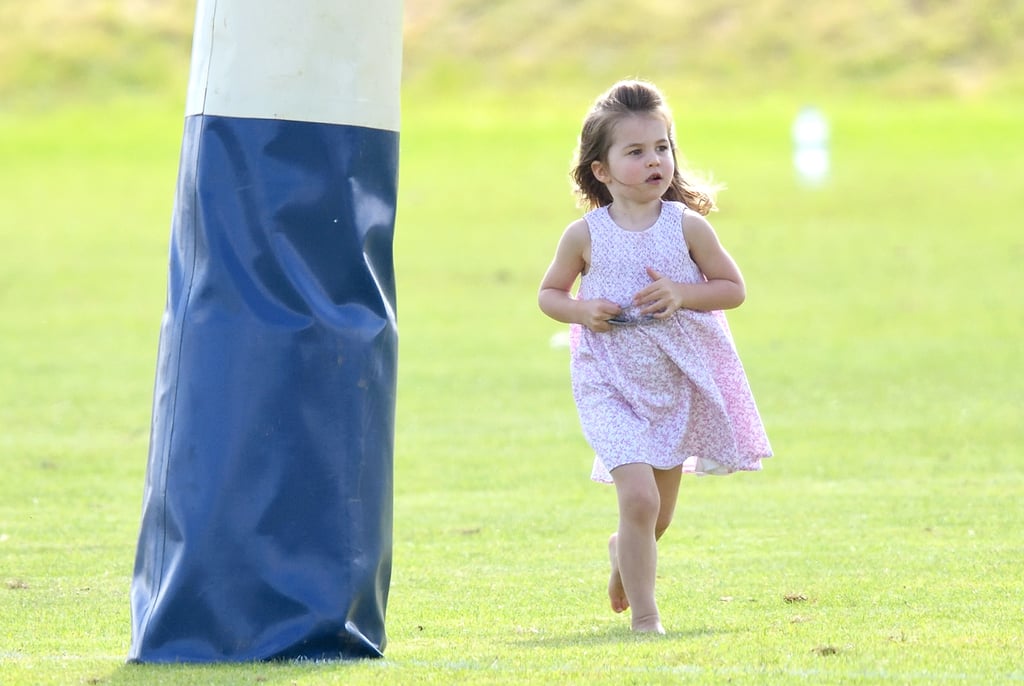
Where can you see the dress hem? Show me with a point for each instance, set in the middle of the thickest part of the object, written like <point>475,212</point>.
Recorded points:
<point>697,466</point>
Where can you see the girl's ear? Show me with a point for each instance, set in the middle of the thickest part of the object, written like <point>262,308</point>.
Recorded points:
<point>597,168</point>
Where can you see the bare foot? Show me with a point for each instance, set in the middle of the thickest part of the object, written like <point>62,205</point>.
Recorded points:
<point>616,593</point>
<point>648,625</point>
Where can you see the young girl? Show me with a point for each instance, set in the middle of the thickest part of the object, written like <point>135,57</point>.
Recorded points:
<point>655,375</point>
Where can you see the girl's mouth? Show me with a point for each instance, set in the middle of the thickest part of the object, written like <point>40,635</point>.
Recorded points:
<point>654,178</point>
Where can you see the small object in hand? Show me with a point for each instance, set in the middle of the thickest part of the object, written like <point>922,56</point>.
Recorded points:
<point>631,316</point>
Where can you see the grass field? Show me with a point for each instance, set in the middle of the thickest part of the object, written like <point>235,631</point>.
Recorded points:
<point>882,336</point>
<point>56,50</point>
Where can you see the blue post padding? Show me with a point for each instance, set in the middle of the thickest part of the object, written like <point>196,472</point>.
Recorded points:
<point>267,512</point>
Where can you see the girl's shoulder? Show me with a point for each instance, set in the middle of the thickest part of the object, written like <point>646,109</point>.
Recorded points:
<point>674,208</point>
<point>695,221</point>
<point>597,221</point>
<point>595,215</point>
<point>579,227</point>
<point>577,234</point>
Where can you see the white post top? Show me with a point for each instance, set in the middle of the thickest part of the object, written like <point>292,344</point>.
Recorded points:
<point>328,61</point>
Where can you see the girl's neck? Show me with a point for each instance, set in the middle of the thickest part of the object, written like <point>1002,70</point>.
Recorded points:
<point>633,216</point>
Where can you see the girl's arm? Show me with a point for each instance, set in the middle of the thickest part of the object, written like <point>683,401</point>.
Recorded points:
<point>723,290</point>
<point>555,298</point>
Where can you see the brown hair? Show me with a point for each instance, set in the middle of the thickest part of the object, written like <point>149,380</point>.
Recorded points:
<point>627,98</point>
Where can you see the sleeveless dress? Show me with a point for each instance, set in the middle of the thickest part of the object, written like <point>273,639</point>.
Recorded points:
<point>662,392</point>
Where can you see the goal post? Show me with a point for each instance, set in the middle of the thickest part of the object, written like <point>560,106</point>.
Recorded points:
<point>267,506</point>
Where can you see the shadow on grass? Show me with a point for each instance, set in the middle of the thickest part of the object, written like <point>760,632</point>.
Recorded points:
<point>265,673</point>
<point>611,634</point>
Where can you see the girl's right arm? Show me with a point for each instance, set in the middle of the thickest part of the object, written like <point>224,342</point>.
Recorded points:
<point>555,297</point>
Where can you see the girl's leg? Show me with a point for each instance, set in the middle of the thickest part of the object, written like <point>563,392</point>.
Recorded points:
<point>616,593</point>
<point>668,494</point>
<point>667,482</point>
<point>634,545</point>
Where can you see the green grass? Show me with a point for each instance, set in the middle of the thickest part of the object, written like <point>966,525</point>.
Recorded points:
<point>881,336</point>
<point>955,47</point>
<point>54,50</point>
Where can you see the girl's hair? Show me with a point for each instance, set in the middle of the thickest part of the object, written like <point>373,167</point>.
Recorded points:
<point>624,99</point>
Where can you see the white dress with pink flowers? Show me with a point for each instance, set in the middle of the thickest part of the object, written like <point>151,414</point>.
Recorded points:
<point>662,392</point>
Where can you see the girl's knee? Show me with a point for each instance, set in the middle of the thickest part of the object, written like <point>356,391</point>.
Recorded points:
<point>638,494</point>
<point>640,505</point>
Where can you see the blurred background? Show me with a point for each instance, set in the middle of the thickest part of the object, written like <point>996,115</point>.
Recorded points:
<point>55,50</point>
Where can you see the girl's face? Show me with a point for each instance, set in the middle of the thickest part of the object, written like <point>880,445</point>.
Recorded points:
<point>639,164</point>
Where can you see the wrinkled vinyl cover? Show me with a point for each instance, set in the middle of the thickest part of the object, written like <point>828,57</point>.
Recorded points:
<point>267,511</point>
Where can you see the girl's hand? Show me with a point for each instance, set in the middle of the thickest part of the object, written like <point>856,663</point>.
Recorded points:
<point>597,312</point>
<point>662,298</point>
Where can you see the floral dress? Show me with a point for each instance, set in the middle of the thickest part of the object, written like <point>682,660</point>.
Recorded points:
<point>661,392</point>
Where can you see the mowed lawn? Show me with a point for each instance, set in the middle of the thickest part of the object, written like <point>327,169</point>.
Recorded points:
<point>882,336</point>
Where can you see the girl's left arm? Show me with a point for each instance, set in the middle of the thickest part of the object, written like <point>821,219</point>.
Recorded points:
<point>723,290</point>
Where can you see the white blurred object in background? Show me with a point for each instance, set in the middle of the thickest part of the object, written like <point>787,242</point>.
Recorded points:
<point>810,146</point>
